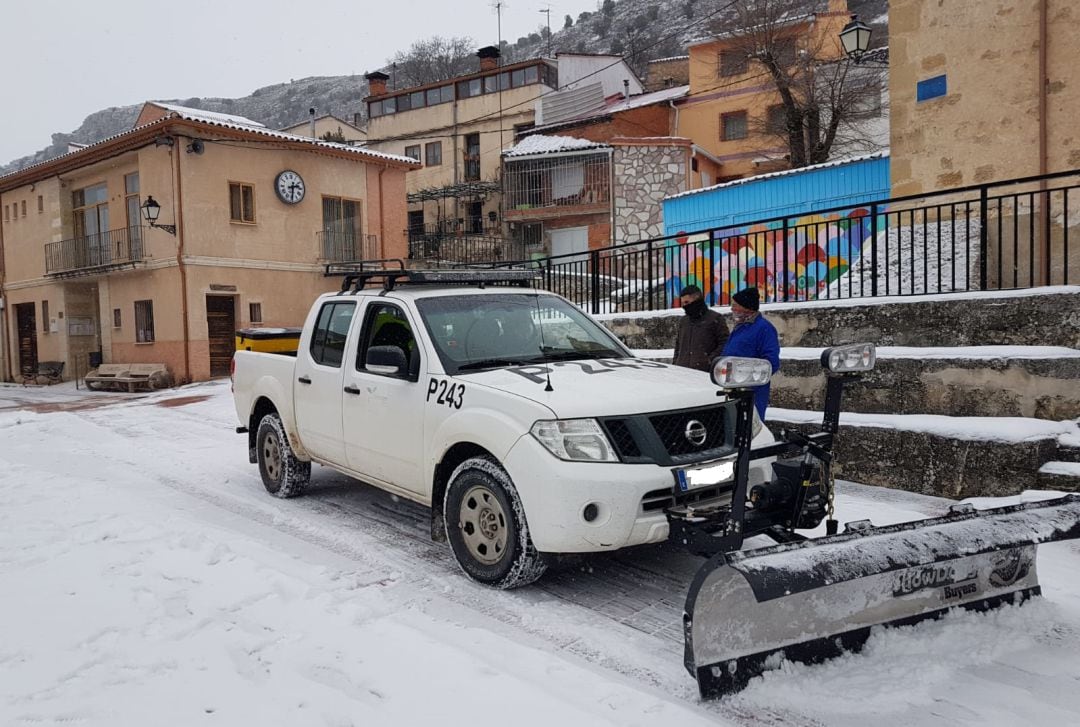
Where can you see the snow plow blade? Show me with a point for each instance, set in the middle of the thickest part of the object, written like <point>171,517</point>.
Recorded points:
<point>812,600</point>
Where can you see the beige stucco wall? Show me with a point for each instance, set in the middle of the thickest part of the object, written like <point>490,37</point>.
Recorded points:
<point>449,123</point>
<point>274,261</point>
<point>986,127</point>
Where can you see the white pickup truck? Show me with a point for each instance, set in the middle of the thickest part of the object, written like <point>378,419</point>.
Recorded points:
<point>525,426</point>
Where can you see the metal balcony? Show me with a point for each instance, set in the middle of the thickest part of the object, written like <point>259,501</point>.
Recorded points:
<point>96,253</point>
<point>347,247</point>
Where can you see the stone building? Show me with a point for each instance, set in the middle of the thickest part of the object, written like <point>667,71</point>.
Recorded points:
<point>566,195</point>
<point>983,92</point>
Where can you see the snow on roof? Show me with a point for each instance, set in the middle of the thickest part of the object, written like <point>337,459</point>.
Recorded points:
<point>540,144</point>
<point>646,99</point>
<point>670,58</point>
<point>783,173</point>
<point>211,118</point>
<point>623,104</point>
<point>187,111</point>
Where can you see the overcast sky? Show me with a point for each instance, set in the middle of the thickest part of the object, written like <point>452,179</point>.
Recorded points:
<point>64,60</point>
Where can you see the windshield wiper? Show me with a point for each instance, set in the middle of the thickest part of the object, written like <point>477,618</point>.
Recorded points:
<point>490,363</point>
<point>571,355</point>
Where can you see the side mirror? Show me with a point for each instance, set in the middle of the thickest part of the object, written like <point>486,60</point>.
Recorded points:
<point>387,360</point>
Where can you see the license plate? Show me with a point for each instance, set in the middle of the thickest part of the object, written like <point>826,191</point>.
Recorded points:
<point>692,478</point>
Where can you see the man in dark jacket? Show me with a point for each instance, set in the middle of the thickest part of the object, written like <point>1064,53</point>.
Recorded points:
<point>702,332</point>
<point>753,337</point>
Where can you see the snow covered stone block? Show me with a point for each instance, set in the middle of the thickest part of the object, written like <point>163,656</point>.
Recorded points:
<point>953,457</point>
<point>1021,381</point>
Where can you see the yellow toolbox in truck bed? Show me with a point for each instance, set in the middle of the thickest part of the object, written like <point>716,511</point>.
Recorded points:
<point>268,340</point>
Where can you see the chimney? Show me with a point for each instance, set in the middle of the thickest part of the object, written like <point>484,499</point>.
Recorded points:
<point>626,88</point>
<point>377,83</point>
<point>489,58</point>
<point>311,111</point>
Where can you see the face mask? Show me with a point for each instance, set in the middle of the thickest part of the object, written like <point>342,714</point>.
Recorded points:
<point>695,309</point>
<point>741,318</point>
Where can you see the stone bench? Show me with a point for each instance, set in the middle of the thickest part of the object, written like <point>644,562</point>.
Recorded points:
<point>129,377</point>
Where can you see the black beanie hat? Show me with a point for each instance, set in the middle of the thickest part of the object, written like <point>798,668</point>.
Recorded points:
<point>748,298</point>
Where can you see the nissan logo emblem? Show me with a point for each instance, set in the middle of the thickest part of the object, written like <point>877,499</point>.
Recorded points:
<point>695,432</point>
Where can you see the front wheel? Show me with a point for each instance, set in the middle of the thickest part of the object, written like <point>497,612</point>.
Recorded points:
<point>282,473</point>
<point>485,524</point>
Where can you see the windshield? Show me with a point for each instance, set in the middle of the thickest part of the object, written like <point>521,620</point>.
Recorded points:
<point>473,332</point>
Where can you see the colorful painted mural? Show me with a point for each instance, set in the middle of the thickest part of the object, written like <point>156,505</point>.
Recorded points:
<point>818,250</point>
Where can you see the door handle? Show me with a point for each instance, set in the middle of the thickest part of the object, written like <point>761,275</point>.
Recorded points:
<point>304,380</point>
<point>351,390</point>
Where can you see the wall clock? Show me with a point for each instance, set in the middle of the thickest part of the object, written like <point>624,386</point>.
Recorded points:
<point>289,187</point>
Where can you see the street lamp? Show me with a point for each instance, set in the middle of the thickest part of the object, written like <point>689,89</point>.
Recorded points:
<point>151,210</point>
<point>855,37</point>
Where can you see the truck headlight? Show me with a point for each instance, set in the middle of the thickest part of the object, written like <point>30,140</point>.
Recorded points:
<point>733,372</point>
<point>577,440</point>
<point>849,359</point>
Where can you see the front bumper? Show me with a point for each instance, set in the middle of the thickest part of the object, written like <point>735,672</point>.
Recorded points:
<point>629,499</point>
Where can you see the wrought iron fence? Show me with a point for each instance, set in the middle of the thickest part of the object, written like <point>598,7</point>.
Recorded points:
<point>562,181</point>
<point>347,247</point>
<point>99,251</point>
<point>464,248</point>
<point>1012,234</point>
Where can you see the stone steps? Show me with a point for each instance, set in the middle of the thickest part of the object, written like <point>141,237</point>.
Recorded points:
<point>973,395</point>
<point>1015,381</point>
<point>1034,317</point>
<point>952,457</point>
<point>1060,476</point>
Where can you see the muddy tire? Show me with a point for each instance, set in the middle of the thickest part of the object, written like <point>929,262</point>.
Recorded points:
<point>486,527</point>
<point>282,473</point>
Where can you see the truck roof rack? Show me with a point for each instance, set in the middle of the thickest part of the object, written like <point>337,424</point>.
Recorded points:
<point>358,275</point>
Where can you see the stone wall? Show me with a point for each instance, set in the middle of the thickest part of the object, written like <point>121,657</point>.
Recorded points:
<point>1044,388</point>
<point>644,175</point>
<point>1031,318</point>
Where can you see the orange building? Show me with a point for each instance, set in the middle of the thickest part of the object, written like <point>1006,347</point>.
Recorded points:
<point>733,103</point>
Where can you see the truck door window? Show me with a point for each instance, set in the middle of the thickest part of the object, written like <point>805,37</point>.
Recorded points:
<point>386,325</point>
<point>331,330</point>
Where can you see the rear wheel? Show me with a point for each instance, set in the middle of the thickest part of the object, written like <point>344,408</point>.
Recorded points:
<point>282,473</point>
<point>485,524</point>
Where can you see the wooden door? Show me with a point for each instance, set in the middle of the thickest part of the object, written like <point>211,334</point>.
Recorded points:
<point>27,329</point>
<point>221,332</point>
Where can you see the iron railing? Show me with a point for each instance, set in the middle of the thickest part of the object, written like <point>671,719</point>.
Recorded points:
<point>1003,235</point>
<point>100,251</point>
<point>565,181</point>
<point>347,247</point>
<point>464,248</point>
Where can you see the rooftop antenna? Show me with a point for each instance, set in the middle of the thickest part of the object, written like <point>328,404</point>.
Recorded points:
<point>547,11</point>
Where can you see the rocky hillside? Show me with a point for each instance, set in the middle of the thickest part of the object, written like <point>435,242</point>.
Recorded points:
<point>639,29</point>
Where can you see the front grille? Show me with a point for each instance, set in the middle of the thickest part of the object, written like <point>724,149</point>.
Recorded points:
<point>622,438</point>
<point>671,429</point>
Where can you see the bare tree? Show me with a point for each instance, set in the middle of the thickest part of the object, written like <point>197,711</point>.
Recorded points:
<point>824,98</point>
<point>433,59</point>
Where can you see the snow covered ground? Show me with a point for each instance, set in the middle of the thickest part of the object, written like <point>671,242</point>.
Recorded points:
<point>148,579</point>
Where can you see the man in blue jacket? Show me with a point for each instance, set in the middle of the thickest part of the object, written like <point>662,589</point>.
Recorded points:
<point>753,337</point>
